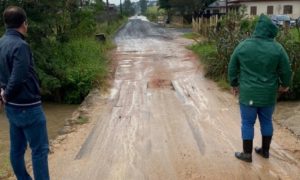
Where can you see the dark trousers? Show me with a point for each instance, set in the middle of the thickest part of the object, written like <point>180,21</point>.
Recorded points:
<point>28,125</point>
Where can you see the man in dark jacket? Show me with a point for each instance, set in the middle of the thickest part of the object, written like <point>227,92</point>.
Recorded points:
<point>258,67</point>
<point>21,96</point>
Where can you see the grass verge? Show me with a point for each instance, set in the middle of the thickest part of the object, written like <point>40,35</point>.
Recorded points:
<point>207,53</point>
<point>192,35</point>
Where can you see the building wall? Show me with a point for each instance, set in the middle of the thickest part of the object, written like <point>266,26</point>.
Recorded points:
<point>277,7</point>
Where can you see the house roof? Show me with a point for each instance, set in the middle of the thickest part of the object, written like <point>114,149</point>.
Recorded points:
<point>218,4</point>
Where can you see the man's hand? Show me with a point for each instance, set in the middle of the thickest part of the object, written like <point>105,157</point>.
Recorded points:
<point>235,91</point>
<point>283,89</point>
<point>3,100</point>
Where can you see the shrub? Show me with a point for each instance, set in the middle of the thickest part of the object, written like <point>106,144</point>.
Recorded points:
<point>72,70</point>
<point>85,24</point>
<point>153,12</point>
<point>288,38</point>
<point>230,33</point>
<point>111,27</point>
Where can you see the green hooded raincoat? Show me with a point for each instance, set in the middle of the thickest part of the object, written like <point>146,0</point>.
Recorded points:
<point>259,65</point>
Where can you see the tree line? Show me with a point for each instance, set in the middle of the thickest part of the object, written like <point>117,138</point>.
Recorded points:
<point>194,7</point>
<point>69,60</point>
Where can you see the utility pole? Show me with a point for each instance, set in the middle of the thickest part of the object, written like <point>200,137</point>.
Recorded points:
<point>107,12</point>
<point>226,4</point>
<point>121,7</point>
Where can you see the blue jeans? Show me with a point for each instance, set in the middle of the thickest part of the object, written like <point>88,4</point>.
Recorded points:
<point>28,125</point>
<point>249,115</point>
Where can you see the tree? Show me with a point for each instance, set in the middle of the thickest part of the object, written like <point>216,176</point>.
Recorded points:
<point>54,29</point>
<point>128,8</point>
<point>164,4</point>
<point>202,5</point>
<point>99,5</point>
<point>143,4</point>
<point>185,6</point>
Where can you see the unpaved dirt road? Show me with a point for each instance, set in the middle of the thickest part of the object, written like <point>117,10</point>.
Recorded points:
<point>163,120</point>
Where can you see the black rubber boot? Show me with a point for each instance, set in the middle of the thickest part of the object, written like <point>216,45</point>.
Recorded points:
<point>265,148</point>
<point>247,154</point>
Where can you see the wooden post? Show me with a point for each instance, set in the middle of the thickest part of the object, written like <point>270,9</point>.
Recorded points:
<point>108,12</point>
<point>193,25</point>
<point>198,24</point>
<point>201,25</point>
<point>204,26</point>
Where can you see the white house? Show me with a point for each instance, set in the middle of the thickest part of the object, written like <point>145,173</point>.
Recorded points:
<point>269,7</point>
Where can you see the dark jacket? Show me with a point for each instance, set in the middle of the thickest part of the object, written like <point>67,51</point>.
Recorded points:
<point>259,65</point>
<point>17,75</point>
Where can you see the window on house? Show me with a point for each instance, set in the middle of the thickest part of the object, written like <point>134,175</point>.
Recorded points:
<point>216,11</point>
<point>287,9</point>
<point>253,10</point>
<point>270,10</point>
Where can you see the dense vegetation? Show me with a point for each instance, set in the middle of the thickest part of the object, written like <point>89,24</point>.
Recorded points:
<point>185,8</point>
<point>215,52</point>
<point>69,60</point>
<point>153,13</point>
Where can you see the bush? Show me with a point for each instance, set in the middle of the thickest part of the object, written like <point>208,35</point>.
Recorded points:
<point>72,70</point>
<point>289,38</point>
<point>85,24</point>
<point>69,61</point>
<point>111,27</point>
<point>153,12</point>
<point>230,33</point>
<point>207,52</point>
<point>69,69</point>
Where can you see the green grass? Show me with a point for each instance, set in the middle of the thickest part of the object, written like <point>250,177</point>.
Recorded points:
<point>191,35</point>
<point>207,53</point>
<point>204,50</point>
<point>82,120</point>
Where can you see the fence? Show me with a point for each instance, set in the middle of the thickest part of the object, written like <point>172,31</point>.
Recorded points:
<point>203,25</point>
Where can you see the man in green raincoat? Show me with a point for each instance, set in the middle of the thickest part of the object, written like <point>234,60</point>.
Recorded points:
<point>258,68</point>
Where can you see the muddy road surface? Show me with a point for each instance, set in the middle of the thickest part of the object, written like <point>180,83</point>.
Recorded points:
<point>163,120</point>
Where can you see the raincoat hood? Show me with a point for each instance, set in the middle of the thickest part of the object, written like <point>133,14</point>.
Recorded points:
<point>265,28</point>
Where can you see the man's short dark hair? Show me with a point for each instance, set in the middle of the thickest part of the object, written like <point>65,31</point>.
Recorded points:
<point>14,17</point>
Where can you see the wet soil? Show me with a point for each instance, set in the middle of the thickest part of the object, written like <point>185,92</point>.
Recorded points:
<point>162,119</point>
<point>287,115</point>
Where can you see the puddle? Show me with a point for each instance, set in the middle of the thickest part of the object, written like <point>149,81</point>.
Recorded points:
<point>160,84</point>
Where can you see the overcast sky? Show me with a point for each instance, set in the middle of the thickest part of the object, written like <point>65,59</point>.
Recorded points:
<point>118,1</point>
